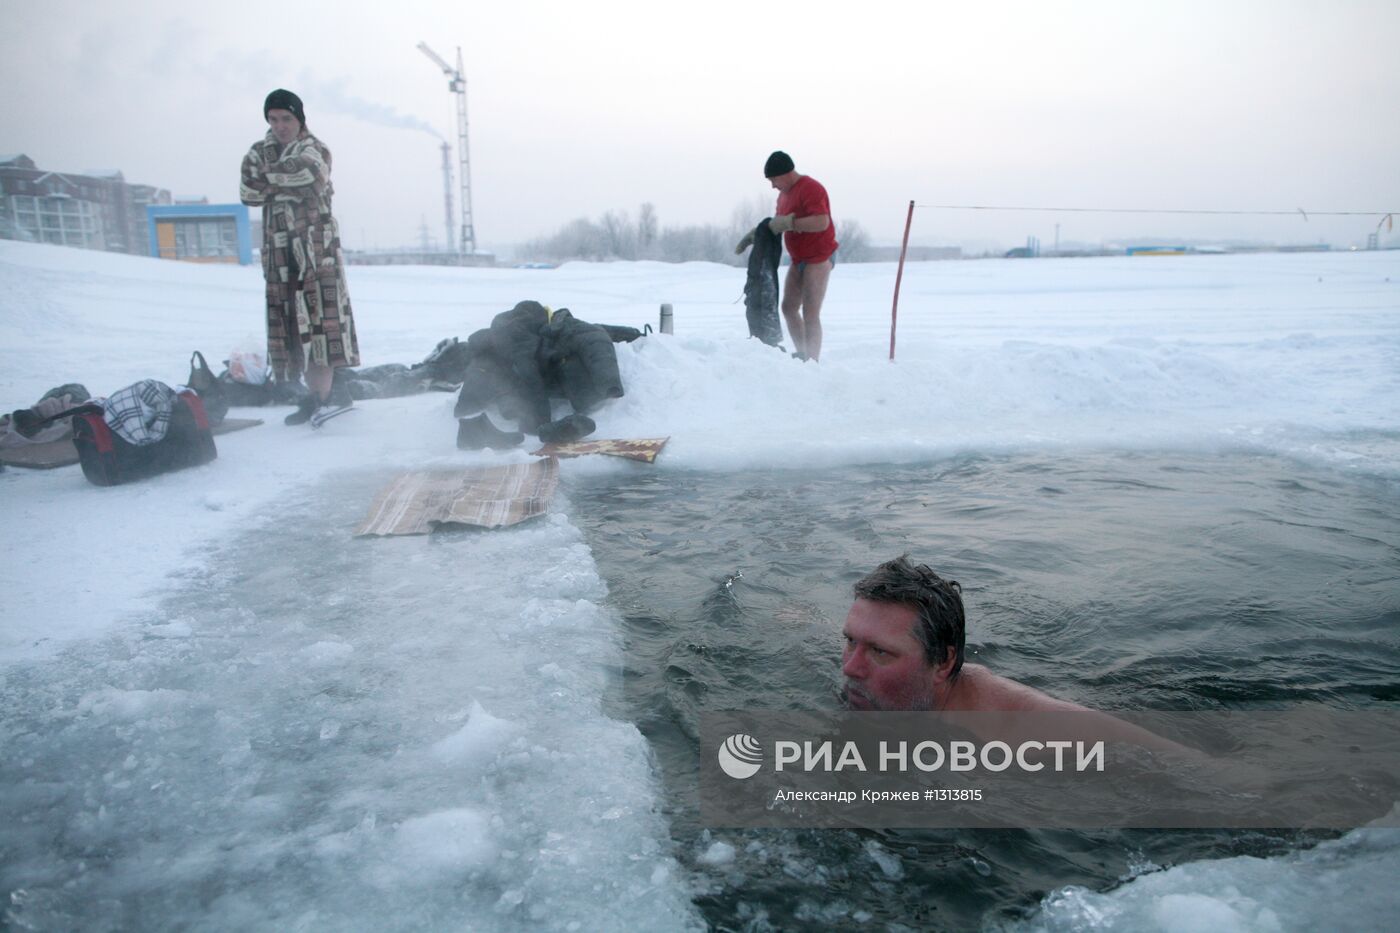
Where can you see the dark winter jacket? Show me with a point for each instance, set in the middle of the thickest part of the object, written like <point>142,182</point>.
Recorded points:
<point>578,361</point>
<point>524,358</point>
<point>761,288</point>
<point>515,340</point>
<point>504,368</point>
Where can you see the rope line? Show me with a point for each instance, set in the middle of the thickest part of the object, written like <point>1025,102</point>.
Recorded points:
<point>1148,210</point>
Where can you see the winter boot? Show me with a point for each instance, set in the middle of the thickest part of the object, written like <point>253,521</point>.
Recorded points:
<point>476,433</point>
<point>305,409</point>
<point>340,397</point>
<point>574,427</point>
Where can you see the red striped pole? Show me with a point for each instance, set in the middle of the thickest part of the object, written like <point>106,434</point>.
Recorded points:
<point>894,309</point>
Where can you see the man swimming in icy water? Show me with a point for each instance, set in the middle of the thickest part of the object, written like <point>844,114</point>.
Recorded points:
<point>904,651</point>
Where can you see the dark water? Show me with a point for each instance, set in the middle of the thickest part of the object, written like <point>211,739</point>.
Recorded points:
<point>1118,581</point>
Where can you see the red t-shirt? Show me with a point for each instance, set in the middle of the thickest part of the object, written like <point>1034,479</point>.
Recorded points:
<point>805,199</point>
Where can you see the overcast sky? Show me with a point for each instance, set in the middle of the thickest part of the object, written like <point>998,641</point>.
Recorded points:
<point>581,107</point>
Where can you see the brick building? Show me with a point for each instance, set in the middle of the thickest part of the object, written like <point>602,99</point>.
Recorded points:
<point>98,210</point>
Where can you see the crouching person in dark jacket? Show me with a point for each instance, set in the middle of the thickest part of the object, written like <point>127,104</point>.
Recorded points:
<point>504,369</point>
<point>528,355</point>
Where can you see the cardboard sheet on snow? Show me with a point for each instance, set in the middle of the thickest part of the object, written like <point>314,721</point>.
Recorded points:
<point>489,497</point>
<point>644,449</point>
<point>63,453</point>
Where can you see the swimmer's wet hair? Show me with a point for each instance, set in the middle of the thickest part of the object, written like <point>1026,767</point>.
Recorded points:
<point>942,625</point>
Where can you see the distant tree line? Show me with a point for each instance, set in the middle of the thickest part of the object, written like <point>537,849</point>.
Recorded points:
<point>616,235</point>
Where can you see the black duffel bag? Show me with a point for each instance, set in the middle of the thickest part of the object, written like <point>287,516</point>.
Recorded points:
<point>109,459</point>
<point>245,394</point>
<point>211,391</point>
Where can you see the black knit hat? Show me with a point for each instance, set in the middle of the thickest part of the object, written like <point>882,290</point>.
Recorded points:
<point>283,99</point>
<point>779,163</point>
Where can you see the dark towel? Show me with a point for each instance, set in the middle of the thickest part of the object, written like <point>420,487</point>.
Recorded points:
<point>761,289</point>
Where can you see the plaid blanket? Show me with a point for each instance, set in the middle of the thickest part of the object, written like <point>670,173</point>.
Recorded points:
<point>140,413</point>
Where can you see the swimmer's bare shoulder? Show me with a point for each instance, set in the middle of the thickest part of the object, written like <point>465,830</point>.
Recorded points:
<point>977,689</point>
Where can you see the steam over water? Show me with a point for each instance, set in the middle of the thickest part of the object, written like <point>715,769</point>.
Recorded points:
<point>1119,581</point>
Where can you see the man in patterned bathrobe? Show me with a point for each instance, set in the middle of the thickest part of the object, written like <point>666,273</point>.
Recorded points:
<point>310,329</point>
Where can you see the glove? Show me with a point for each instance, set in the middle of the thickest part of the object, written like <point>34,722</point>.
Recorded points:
<point>782,223</point>
<point>745,243</point>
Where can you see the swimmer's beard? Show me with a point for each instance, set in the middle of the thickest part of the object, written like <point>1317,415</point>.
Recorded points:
<point>856,699</point>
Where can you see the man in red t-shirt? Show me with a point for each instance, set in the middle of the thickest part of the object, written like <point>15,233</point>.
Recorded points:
<point>803,217</point>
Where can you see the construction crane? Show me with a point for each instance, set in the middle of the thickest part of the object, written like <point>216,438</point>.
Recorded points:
<point>457,84</point>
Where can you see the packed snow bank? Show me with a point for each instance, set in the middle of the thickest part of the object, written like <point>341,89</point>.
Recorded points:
<point>1338,885</point>
<point>315,733</point>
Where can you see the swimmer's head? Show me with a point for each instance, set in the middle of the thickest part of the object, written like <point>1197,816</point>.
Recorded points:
<point>941,625</point>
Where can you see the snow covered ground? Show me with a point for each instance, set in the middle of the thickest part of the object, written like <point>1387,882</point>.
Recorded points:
<point>1297,355</point>
<point>1293,354</point>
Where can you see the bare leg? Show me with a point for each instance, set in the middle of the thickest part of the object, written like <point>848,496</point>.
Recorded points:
<point>792,304</point>
<point>318,380</point>
<point>814,279</point>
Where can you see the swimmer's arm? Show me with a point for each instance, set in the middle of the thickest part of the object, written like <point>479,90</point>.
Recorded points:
<point>1095,724</point>
<point>1111,728</point>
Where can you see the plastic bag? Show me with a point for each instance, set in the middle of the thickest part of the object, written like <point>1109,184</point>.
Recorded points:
<point>248,367</point>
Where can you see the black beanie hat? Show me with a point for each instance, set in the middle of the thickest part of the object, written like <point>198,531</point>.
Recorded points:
<point>283,99</point>
<point>779,163</point>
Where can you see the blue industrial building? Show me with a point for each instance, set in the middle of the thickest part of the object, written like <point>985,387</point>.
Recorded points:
<point>201,232</point>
